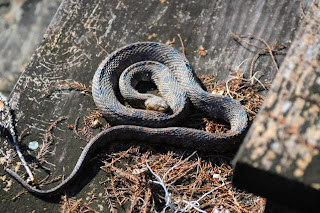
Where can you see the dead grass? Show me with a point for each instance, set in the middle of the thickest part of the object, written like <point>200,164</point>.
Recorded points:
<point>71,205</point>
<point>170,182</point>
<point>67,85</point>
<point>46,143</point>
<point>242,89</point>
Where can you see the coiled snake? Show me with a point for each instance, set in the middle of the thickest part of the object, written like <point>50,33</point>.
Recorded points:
<point>150,58</point>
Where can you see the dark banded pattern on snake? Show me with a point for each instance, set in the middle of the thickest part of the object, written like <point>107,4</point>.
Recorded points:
<point>136,123</point>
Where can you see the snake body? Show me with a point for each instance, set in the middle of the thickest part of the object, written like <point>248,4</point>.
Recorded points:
<point>148,125</point>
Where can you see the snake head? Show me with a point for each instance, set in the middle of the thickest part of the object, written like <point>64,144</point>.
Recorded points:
<point>156,103</point>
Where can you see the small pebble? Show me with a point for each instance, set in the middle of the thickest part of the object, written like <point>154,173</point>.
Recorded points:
<point>33,145</point>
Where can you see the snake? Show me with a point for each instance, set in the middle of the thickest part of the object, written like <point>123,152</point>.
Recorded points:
<point>179,87</point>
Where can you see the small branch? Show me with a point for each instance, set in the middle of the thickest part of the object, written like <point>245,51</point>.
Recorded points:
<point>182,45</point>
<point>270,49</point>
<point>66,85</point>
<point>6,110</point>
<point>23,134</point>
<point>99,45</point>
<point>19,194</point>
<point>47,141</point>
<point>244,79</point>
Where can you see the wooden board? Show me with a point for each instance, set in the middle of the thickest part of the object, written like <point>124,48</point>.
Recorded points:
<point>279,158</point>
<point>82,34</point>
<point>22,25</point>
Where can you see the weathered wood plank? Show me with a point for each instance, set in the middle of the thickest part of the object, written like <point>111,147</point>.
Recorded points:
<point>81,34</point>
<point>22,25</point>
<point>280,156</point>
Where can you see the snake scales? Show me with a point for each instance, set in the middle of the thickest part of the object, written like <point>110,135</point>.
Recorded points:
<point>147,125</point>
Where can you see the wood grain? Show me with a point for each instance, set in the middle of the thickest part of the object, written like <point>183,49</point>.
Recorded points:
<point>279,158</point>
<point>82,34</point>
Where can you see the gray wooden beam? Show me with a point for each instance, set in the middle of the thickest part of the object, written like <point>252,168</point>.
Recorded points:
<point>22,25</point>
<point>280,158</point>
<point>81,34</point>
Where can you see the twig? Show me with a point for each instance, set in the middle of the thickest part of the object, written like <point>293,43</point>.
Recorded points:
<point>19,194</point>
<point>76,130</point>
<point>66,85</point>
<point>170,202</point>
<point>159,181</point>
<point>6,109</point>
<point>171,42</point>
<point>261,52</point>
<point>239,37</point>
<point>47,141</point>
<point>48,135</point>
<point>22,134</point>
<point>186,159</point>
<point>31,177</point>
<point>268,48</point>
<point>209,192</point>
<point>244,79</point>
<point>99,45</point>
<point>182,45</point>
